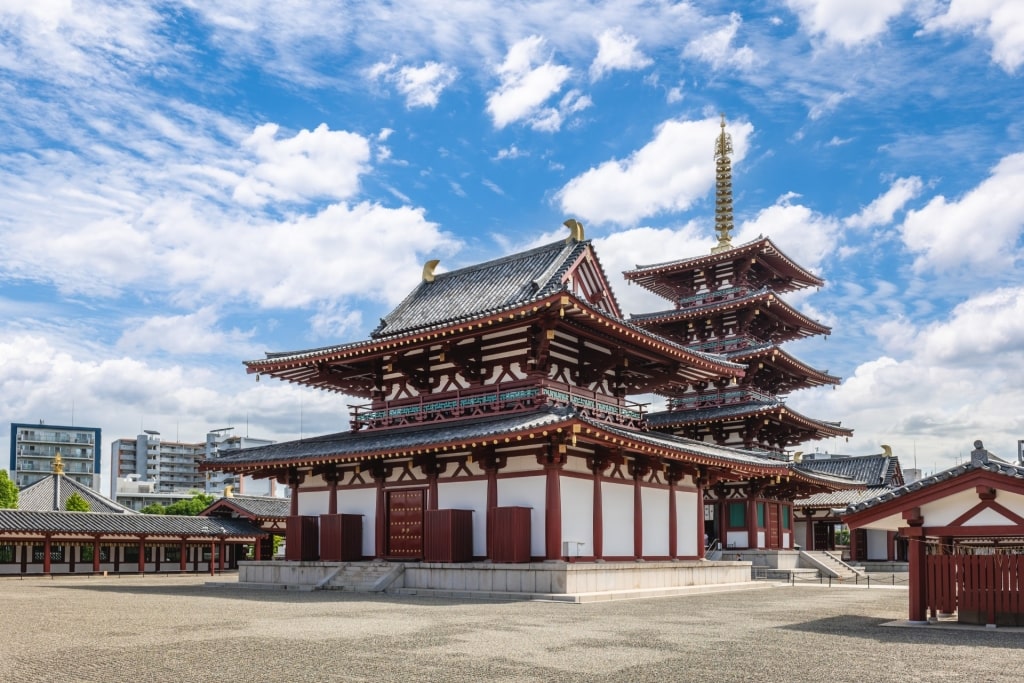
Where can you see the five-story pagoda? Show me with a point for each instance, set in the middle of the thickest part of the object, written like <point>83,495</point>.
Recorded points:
<point>728,303</point>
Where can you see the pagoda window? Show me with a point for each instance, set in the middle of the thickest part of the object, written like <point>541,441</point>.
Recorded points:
<point>737,515</point>
<point>786,510</point>
<point>760,515</point>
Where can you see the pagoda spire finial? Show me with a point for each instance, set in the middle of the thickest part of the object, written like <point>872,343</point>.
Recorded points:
<point>58,464</point>
<point>723,190</point>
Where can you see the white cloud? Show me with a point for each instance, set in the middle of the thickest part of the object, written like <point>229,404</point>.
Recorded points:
<point>1001,21</point>
<point>958,381</point>
<point>333,320</point>
<point>882,209</point>
<point>528,81</point>
<point>808,237</point>
<point>511,152</point>
<point>716,47</point>
<point>422,86</point>
<point>667,174</point>
<point>982,229</point>
<point>189,334</point>
<point>846,23</point>
<point>309,165</point>
<point>617,51</point>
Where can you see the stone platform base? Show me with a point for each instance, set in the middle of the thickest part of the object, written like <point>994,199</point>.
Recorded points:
<point>561,581</point>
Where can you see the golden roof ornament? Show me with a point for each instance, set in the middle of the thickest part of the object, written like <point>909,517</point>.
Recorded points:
<point>575,230</point>
<point>723,191</point>
<point>58,464</point>
<point>428,269</point>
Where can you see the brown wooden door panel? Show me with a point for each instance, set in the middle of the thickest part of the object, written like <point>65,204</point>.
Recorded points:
<point>405,524</point>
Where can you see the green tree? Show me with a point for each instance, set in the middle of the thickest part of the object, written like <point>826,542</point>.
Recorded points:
<point>75,503</point>
<point>8,491</point>
<point>191,507</point>
<point>154,509</point>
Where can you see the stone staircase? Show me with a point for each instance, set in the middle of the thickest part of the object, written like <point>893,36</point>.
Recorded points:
<point>363,577</point>
<point>829,564</point>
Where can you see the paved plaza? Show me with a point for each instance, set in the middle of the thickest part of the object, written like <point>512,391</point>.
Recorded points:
<point>176,628</point>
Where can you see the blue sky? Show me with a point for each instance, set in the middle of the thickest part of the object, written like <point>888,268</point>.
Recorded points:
<point>183,188</point>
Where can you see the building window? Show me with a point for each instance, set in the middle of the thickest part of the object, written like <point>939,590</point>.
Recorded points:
<point>56,553</point>
<point>760,515</point>
<point>131,553</point>
<point>7,553</point>
<point>738,515</point>
<point>785,517</point>
<point>172,554</point>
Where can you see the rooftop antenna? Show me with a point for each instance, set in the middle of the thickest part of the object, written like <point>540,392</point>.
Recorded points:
<point>723,191</point>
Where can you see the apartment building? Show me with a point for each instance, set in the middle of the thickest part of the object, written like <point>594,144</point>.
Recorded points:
<point>35,446</point>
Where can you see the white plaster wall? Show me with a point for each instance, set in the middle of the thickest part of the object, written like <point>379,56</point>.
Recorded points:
<point>577,464</point>
<point>361,502</point>
<point>785,539</point>
<point>989,517</point>
<point>527,492</point>
<point>800,534</point>
<point>468,495</point>
<point>521,463</point>
<point>578,514</point>
<point>655,520</point>
<point>877,544</point>
<point>313,502</point>
<point>944,511</point>
<point>760,540</point>
<point>686,523</point>
<point>617,517</point>
<point>736,539</point>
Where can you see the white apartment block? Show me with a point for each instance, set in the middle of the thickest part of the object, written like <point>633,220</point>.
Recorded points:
<point>35,446</point>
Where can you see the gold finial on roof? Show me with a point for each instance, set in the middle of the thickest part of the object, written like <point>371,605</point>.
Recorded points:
<point>229,491</point>
<point>887,451</point>
<point>575,230</point>
<point>798,457</point>
<point>723,190</point>
<point>428,269</point>
<point>58,464</point>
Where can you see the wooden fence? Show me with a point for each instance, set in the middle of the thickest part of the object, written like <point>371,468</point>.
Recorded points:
<point>980,589</point>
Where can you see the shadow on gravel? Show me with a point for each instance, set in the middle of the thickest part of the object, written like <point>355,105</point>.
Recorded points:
<point>136,587</point>
<point>855,626</point>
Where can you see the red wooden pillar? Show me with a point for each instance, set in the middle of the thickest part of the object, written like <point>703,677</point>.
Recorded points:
<point>46,555</point>
<point>701,522</point>
<point>673,520</point>
<point>598,465</point>
<point>553,503</point>
<point>491,470</point>
<point>854,546</point>
<point>213,554</point>
<point>183,552</point>
<point>142,554</point>
<point>293,482</point>
<point>223,551</point>
<point>332,504</point>
<point>752,523</point>
<point>917,575</point>
<point>96,554</point>
<point>379,521</point>
<point>432,491</point>
<point>256,547</point>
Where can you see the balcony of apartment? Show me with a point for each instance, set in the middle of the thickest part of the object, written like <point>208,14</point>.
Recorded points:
<point>500,398</point>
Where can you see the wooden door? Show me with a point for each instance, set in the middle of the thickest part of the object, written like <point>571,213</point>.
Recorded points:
<point>823,536</point>
<point>405,524</point>
<point>774,535</point>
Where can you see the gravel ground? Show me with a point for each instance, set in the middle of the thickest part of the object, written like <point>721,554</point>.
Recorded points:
<point>177,629</point>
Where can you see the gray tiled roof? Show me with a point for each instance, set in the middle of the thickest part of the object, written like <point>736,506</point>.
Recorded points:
<point>667,418</point>
<point>112,524</point>
<point>873,470</point>
<point>837,499</point>
<point>1001,468</point>
<point>397,439</point>
<point>52,493</point>
<point>262,507</point>
<point>491,286</point>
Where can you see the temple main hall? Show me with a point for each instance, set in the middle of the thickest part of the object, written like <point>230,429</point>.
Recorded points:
<point>500,414</point>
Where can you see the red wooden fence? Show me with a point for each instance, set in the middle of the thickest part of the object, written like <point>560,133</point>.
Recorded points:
<point>981,589</point>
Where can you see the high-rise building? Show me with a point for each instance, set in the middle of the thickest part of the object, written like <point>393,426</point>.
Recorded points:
<point>173,466</point>
<point>35,446</point>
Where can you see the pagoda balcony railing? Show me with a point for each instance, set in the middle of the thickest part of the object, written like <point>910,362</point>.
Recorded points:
<point>714,399</point>
<point>495,399</point>
<point>724,345</point>
<point>712,296</point>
